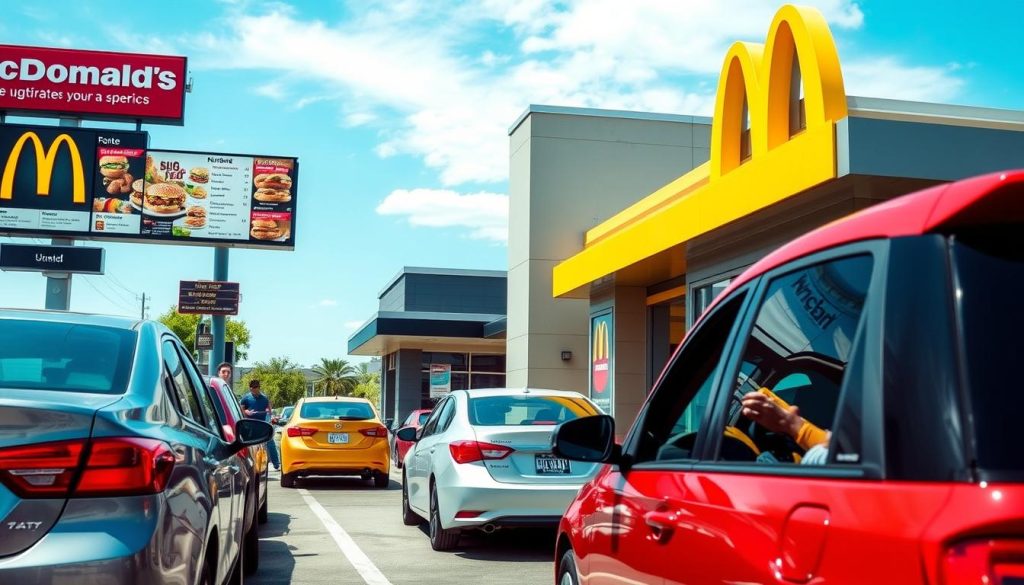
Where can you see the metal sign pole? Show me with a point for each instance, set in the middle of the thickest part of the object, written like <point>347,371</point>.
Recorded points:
<point>58,284</point>
<point>220,274</point>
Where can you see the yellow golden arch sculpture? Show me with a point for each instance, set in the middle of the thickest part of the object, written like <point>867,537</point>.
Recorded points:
<point>758,81</point>
<point>761,76</point>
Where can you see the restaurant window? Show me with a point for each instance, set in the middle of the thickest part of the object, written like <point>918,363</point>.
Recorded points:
<point>467,371</point>
<point>704,295</point>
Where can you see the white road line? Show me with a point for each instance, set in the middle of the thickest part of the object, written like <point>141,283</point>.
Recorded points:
<point>355,555</point>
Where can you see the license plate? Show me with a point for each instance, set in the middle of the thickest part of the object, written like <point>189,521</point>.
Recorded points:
<point>337,438</point>
<point>548,465</point>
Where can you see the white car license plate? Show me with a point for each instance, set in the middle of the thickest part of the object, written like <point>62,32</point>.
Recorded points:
<point>548,465</point>
<point>337,438</point>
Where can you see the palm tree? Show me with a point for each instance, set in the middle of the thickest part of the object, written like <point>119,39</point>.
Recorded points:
<point>337,377</point>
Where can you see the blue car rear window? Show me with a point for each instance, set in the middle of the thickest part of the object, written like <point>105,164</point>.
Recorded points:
<point>39,355</point>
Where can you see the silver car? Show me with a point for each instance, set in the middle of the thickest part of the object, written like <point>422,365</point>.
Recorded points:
<point>117,464</point>
<point>483,461</point>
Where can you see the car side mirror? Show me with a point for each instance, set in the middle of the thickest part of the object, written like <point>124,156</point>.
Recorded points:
<point>590,439</point>
<point>251,432</point>
<point>408,434</point>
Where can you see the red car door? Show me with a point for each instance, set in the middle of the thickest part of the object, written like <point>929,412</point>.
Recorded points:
<point>751,512</point>
<point>629,528</point>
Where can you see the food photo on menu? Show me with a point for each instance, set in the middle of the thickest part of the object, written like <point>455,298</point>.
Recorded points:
<point>270,226</point>
<point>112,209</point>
<point>164,195</point>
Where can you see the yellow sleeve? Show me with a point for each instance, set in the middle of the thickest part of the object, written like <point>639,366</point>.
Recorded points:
<point>810,435</point>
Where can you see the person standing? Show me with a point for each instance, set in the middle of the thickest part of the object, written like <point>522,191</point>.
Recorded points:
<point>225,372</point>
<point>257,405</point>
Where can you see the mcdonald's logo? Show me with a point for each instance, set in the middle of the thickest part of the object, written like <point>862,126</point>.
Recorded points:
<point>45,160</point>
<point>600,355</point>
<point>759,89</point>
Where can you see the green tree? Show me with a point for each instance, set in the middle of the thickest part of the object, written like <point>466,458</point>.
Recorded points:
<point>368,385</point>
<point>280,379</point>
<point>184,326</point>
<point>336,377</point>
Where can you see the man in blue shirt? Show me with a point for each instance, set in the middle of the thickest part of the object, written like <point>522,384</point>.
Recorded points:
<point>256,405</point>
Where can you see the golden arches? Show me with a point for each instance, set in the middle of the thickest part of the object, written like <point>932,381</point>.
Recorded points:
<point>45,159</point>
<point>763,75</point>
<point>601,345</point>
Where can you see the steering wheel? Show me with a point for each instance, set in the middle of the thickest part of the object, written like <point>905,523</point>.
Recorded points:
<point>780,445</point>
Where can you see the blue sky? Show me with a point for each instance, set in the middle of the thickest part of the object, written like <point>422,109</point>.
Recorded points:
<point>399,114</point>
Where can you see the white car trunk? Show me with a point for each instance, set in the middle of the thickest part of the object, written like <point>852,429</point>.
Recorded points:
<point>531,460</point>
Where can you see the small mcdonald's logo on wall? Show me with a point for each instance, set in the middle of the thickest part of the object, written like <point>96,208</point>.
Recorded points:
<point>601,360</point>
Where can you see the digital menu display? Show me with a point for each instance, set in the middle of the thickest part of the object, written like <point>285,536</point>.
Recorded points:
<point>218,197</point>
<point>95,184</point>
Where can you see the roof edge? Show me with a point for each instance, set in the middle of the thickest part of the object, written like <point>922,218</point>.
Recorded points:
<point>601,113</point>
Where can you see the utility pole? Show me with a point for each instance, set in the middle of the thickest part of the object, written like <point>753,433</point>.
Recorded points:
<point>143,316</point>
<point>58,284</point>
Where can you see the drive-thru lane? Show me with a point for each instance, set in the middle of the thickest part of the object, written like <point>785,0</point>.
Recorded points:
<point>342,530</point>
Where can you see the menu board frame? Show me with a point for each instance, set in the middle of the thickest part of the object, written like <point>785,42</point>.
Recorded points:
<point>97,185</point>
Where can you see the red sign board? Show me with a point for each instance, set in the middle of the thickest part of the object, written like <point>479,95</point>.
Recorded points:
<point>38,81</point>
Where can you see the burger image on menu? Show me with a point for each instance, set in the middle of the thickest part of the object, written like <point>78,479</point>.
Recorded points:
<point>266,229</point>
<point>113,167</point>
<point>164,199</point>
<point>268,195</point>
<point>273,181</point>
<point>199,175</point>
<point>137,188</point>
<point>195,217</point>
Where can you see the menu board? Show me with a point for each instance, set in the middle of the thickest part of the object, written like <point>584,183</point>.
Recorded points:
<point>216,197</point>
<point>98,184</point>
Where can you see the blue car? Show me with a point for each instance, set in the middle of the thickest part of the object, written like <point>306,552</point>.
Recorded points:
<point>115,463</point>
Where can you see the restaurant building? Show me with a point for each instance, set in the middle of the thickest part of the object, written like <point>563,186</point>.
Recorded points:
<point>436,330</point>
<point>624,226</point>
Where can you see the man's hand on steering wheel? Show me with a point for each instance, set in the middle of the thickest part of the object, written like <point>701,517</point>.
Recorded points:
<point>767,413</point>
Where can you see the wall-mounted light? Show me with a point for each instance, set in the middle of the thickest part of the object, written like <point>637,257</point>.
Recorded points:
<point>566,356</point>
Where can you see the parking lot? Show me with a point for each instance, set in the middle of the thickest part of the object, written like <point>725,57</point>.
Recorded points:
<point>343,531</point>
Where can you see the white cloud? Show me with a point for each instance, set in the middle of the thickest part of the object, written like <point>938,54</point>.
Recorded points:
<point>271,90</point>
<point>420,74</point>
<point>484,214</point>
<point>890,77</point>
<point>326,303</point>
<point>349,325</point>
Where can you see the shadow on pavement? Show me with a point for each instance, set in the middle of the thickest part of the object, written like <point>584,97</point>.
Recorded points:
<point>277,525</point>
<point>277,558</point>
<point>342,483</point>
<point>520,545</point>
<point>277,563</point>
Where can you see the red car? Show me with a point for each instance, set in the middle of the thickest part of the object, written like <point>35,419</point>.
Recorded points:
<point>415,420</point>
<point>879,356</point>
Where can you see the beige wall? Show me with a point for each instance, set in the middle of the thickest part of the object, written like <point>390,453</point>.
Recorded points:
<point>569,171</point>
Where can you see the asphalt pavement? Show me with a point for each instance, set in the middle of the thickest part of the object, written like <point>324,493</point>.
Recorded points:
<point>344,531</point>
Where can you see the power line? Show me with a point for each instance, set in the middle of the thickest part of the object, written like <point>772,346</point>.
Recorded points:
<point>101,293</point>
<point>120,284</point>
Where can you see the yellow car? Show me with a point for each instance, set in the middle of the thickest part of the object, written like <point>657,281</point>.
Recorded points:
<point>335,436</point>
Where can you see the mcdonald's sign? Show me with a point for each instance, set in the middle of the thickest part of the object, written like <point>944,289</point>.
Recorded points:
<point>50,176</point>
<point>767,144</point>
<point>601,360</point>
<point>46,157</point>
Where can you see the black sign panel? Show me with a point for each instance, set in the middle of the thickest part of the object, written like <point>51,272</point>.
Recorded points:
<point>50,172</point>
<point>208,297</point>
<point>75,259</point>
<point>204,341</point>
<point>108,185</point>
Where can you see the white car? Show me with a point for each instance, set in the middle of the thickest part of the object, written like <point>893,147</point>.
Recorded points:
<point>483,460</point>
